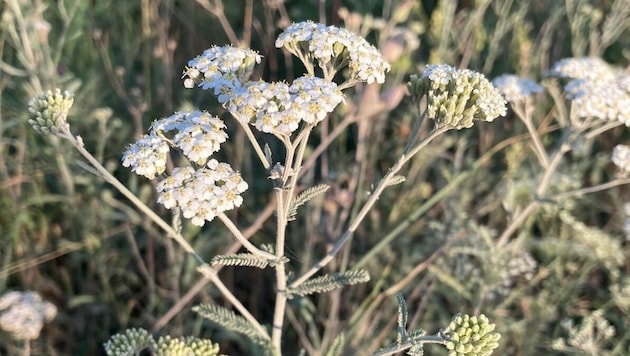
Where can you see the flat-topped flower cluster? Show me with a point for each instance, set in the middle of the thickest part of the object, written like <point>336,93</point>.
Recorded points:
<point>457,97</point>
<point>597,90</point>
<point>206,187</point>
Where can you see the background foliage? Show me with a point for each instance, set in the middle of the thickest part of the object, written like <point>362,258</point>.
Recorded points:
<point>434,238</point>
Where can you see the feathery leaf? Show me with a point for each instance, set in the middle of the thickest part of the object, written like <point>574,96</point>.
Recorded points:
<point>304,197</point>
<point>245,260</point>
<point>230,321</point>
<point>329,282</point>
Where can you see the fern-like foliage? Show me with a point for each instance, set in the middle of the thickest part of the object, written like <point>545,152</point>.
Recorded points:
<point>395,180</point>
<point>304,197</point>
<point>403,315</point>
<point>337,347</point>
<point>245,260</point>
<point>230,321</point>
<point>329,282</point>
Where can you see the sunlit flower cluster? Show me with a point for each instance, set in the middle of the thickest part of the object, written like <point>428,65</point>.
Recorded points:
<point>221,69</point>
<point>471,335</point>
<point>132,342</point>
<point>23,314</point>
<point>515,88</point>
<point>602,99</point>
<point>186,346</point>
<point>596,89</point>
<point>203,193</point>
<point>457,98</point>
<point>588,68</point>
<point>49,111</point>
<point>279,107</point>
<point>136,341</point>
<point>329,43</point>
<point>196,134</point>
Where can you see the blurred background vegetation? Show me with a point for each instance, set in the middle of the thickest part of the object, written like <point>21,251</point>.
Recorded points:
<point>72,238</point>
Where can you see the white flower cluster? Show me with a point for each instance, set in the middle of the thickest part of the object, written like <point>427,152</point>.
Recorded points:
<point>23,314</point>
<point>515,88</point>
<point>457,97</point>
<point>512,267</point>
<point>588,68</point>
<point>327,42</point>
<point>596,89</point>
<point>602,99</point>
<point>621,158</point>
<point>197,134</point>
<point>203,193</point>
<point>221,69</point>
<point>200,193</point>
<point>279,107</point>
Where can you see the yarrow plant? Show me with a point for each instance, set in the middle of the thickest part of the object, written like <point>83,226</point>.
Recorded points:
<point>595,88</point>
<point>201,188</point>
<point>457,98</point>
<point>514,88</point>
<point>23,314</point>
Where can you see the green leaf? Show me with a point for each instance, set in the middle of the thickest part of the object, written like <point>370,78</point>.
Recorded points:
<point>304,197</point>
<point>230,321</point>
<point>245,260</point>
<point>337,347</point>
<point>329,282</point>
<point>403,315</point>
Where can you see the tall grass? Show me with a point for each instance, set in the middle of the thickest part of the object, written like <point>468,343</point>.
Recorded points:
<point>470,230</point>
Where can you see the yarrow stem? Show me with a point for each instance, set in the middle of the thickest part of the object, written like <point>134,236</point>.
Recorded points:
<point>427,339</point>
<point>109,178</point>
<point>284,195</point>
<point>374,196</point>
<point>211,274</point>
<point>245,242</point>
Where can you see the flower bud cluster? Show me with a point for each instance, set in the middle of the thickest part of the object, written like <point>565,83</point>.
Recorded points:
<point>596,89</point>
<point>329,43</point>
<point>279,107</point>
<point>514,88</point>
<point>221,69</point>
<point>186,346</point>
<point>471,335</point>
<point>49,112</point>
<point>131,342</point>
<point>457,98</point>
<point>23,314</point>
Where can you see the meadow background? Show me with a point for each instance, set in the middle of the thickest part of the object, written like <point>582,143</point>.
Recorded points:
<point>561,277</point>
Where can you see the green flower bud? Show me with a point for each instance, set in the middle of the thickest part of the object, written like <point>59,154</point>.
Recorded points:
<point>131,342</point>
<point>457,98</point>
<point>471,336</point>
<point>186,346</point>
<point>49,112</point>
